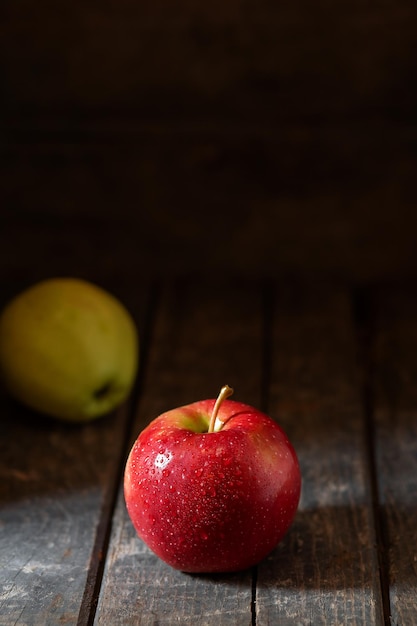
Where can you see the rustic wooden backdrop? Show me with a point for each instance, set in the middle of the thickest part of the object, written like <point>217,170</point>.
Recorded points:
<point>266,138</point>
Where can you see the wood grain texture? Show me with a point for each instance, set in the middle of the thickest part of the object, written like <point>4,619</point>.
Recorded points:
<point>291,60</point>
<point>57,489</point>
<point>68,551</point>
<point>325,202</point>
<point>143,126</point>
<point>55,483</point>
<point>326,570</point>
<point>396,447</point>
<point>203,338</point>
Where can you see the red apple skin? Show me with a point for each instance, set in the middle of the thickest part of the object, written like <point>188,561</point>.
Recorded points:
<point>212,502</point>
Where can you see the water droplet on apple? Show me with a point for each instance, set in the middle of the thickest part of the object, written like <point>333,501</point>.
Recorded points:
<point>204,535</point>
<point>162,459</point>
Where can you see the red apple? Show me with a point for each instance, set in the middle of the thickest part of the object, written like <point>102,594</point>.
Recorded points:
<point>212,486</point>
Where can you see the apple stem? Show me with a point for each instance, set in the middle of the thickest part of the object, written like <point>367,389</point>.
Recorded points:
<point>225,392</point>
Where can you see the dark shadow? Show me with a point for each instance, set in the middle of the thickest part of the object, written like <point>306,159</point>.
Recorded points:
<point>41,456</point>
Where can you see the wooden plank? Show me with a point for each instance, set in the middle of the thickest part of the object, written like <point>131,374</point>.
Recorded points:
<point>396,446</point>
<point>326,570</point>
<point>135,192</point>
<point>247,59</point>
<point>205,336</point>
<point>57,490</point>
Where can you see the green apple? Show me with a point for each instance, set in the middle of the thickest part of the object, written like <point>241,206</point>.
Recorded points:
<point>68,349</point>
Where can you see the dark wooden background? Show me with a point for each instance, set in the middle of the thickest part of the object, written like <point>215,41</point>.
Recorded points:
<point>253,138</point>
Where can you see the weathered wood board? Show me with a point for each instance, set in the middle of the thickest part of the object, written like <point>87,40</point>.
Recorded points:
<point>396,447</point>
<point>204,337</point>
<point>326,571</point>
<point>57,488</point>
<point>335,370</point>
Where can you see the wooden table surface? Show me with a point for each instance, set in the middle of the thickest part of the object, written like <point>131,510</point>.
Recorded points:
<point>335,366</point>
<point>150,147</point>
